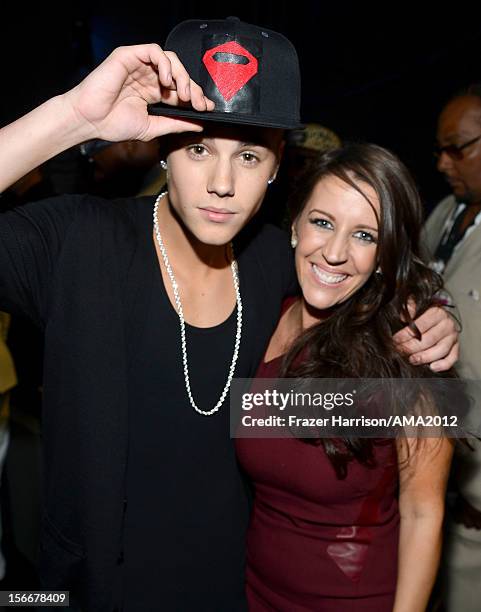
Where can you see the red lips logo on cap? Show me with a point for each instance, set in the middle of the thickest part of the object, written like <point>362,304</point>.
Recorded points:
<point>231,67</point>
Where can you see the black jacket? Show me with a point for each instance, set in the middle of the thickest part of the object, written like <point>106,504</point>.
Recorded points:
<point>74,265</point>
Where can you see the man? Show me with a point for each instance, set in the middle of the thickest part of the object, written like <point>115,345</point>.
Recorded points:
<point>453,236</point>
<point>145,508</point>
<point>123,168</point>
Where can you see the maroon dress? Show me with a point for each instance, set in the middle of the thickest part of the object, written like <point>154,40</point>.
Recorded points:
<point>316,543</point>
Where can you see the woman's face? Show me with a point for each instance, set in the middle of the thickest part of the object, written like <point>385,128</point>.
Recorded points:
<point>337,234</point>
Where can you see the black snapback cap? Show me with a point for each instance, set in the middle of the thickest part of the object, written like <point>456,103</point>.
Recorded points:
<point>251,73</point>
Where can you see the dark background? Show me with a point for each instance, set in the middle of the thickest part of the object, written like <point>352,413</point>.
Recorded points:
<point>376,72</point>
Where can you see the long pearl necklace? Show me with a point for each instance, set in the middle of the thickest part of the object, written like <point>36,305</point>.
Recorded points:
<point>180,312</point>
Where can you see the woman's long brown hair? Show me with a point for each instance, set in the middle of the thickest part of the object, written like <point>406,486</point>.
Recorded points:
<point>356,340</point>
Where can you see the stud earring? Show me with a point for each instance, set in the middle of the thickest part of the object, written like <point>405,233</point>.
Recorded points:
<point>163,164</point>
<point>293,241</point>
<point>379,271</point>
<point>270,181</point>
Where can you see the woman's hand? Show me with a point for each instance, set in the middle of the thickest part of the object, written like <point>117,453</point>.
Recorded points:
<point>423,474</point>
<point>111,102</point>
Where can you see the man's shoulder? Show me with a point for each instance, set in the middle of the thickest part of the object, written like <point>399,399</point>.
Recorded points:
<point>265,237</point>
<point>84,204</point>
<point>435,223</point>
<point>104,208</point>
<point>266,248</point>
<point>81,219</point>
<point>274,232</point>
<point>443,208</point>
<point>87,208</point>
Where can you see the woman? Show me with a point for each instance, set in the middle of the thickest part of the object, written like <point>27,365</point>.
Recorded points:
<point>146,320</point>
<point>349,524</point>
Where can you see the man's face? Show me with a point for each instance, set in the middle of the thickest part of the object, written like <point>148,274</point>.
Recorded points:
<point>217,179</point>
<point>460,122</point>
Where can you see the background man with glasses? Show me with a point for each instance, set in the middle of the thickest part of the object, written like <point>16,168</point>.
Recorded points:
<point>453,237</point>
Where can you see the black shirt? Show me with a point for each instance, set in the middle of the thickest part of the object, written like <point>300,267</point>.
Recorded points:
<point>187,509</point>
<point>85,270</point>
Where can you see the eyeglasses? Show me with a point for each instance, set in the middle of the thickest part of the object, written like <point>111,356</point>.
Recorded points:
<point>454,151</point>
